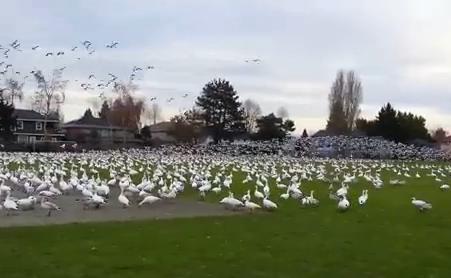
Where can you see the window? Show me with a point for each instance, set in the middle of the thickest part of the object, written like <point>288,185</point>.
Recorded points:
<point>32,139</point>
<point>22,139</point>
<point>38,125</point>
<point>19,125</point>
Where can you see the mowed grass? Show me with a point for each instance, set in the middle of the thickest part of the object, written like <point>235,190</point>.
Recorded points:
<point>386,238</point>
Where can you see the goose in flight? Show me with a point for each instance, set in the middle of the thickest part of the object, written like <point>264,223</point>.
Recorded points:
<point>253,61</point>
<point>112,45</point>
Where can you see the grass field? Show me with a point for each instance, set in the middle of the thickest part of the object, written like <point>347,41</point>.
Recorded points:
<point>386,238</point>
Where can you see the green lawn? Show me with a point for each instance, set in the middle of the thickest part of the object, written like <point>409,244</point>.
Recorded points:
<point>386,238</point>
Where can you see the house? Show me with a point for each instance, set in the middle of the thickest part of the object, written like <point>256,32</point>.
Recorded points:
<point>30,127</point>
<point>161,133</point>
<point>91,130</point>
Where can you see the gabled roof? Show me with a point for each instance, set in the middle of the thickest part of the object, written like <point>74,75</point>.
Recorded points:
<point>161,127</point>
<point>89,121</point>
<point>25,114</point>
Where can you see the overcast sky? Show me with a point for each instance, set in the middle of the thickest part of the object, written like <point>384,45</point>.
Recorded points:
<point>400,49</point>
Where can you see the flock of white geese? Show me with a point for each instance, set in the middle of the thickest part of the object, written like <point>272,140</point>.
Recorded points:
<point>143,177</point>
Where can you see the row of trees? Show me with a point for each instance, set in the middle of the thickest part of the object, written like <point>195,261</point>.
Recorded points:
<point>395,125</point>
<point>345,98</point>
<point>219,113</point>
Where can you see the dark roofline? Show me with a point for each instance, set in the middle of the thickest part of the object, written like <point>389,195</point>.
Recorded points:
<point>31,115</point>
<point>69,125</point>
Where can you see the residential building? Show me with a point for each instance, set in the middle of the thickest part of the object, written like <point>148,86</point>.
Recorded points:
<point>160,133</point>
<point>92,130</point>
<point>30,127</point>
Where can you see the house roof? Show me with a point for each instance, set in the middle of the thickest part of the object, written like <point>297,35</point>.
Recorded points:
<point>25,114</point>
<point>161,127</point>
<point>89,121</point>
<point>321,133</point>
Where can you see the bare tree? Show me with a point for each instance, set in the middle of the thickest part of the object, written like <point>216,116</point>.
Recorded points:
<point>251,113</point>
<point>352,99</point>
<point>153,113</point>
<point>126,109</point>
<point>13,90</point>
<point>344,102</point>
<point>282,112</point>
<point>50,94</point>
<point>439,135</point>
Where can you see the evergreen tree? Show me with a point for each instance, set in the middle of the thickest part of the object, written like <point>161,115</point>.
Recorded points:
<point>7,120</point>
<point>221,110</point>
<point>105,111</point>
<point>272,127</point>
<point>304,133</point>
<point>387,123</point>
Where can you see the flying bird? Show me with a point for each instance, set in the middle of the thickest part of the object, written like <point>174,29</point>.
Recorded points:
<point>35,47</point>
<point>86,44</point>
<point>185,95</point>
<point>150,67</point>
<point>92,51</point>
<point>253,61</point>
<point>112,45</point>
<point>8,66</point>
<point>170,99</point>
<point>73,48</point>
<point>153,98</point>
<point>48,54</point>
<point>14,43</point>
<point>91,76</point>
<point>60,53</point>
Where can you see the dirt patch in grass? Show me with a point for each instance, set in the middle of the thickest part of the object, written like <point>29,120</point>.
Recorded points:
<point>72,211</point>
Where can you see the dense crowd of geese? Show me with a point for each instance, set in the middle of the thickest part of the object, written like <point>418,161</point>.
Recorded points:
<point>144,177</point>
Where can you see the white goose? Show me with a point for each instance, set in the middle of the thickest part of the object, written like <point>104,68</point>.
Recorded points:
<point>343,204</point>
<point>269,205</point>
<point>26,203</point>
<point>421,205</point>
<point>123,199</point>
<point>258,194</point>
<point>363,198</point>
<point>250,205</point>
<point>149,200</point>
<point>9,204</point>
<point>45,204</point>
